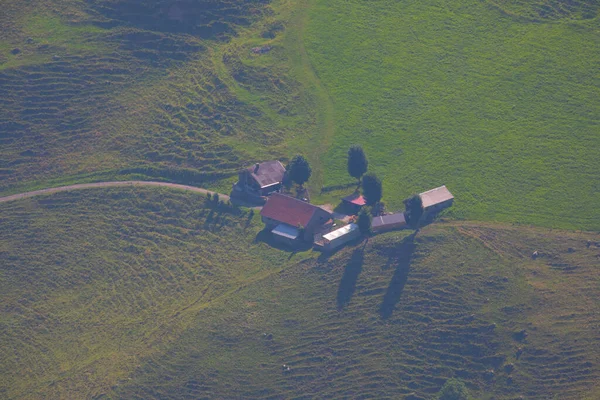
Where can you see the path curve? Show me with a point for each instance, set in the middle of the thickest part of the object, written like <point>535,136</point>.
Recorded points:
<point>108,184</point>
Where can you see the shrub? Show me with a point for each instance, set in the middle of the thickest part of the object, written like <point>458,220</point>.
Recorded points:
<point>299,170</point>
<point>414,210</point>
<point>364,221</point>
<point>453,389</point>
<point>371,188</point>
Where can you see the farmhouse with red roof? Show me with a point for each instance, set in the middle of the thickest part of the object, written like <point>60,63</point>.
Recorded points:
<point>285,216</point>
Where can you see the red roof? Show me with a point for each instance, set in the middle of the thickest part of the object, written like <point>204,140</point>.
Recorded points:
<point>356,199</point>
<point>288,210</point>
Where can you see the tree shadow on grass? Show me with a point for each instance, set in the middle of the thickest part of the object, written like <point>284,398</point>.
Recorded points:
<point>396,286</point>
<point>341,208</point>
<point>348,281</point>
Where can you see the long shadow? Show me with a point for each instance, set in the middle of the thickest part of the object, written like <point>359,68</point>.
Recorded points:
<point>348,282</point>
<point>396,286</point>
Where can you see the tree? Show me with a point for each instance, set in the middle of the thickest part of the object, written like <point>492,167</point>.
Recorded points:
<point>413,210</point>
<point>371,189</point>
<point>364,221</point>
<point>453,389</point>
<point>299,170</point>
<point>357,162</point>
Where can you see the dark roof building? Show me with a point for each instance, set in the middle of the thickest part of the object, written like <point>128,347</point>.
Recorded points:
<point>267,173</point>
<point>282,209</point>
<point>291,211</point>
<point>388,222</point>
<point>262,178</point>
<point>437,199</point>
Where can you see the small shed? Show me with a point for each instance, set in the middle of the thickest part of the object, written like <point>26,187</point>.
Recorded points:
<point>286,234</point>
<point>437,199</point>
<point>388,222</point>
<point>354,202</point>
<point>337,238</point>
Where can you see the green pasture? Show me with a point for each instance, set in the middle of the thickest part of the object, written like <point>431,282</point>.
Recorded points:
<point>501,109</point>
<point>497,100</point>
<point>155,294</point>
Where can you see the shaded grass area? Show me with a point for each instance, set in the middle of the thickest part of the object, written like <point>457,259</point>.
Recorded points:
<point>95,91</point>
<point>502,110</point>
<point>137,293</point>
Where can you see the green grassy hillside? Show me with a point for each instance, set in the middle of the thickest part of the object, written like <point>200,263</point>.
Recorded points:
<point>500,106</point>
<point>138,293</point>
<point>496,99</point>
<point>93,280</point>
<point>113,88</point>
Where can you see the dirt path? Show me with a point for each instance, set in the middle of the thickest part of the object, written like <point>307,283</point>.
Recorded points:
<point>107,184</point>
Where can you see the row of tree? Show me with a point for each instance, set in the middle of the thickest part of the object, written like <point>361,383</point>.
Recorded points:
<point>372,190</point>
<point>299,171</point>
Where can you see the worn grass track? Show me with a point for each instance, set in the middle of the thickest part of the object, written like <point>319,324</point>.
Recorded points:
<point>142,293</point>
<point>96,185</point>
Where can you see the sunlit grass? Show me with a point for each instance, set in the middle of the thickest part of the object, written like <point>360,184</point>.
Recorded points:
<point>502,111</point>
<point>134,292</point>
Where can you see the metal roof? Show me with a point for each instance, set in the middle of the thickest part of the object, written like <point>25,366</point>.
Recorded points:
<point>267,173</point>
<point>435,196</point>
<point>344,230</point>
<point>286,231</point>
<point>391,219</point>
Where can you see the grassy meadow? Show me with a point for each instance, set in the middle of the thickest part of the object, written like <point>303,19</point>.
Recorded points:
<point>93,280</point>
<point>504,110</point>
<point>140,293</point>
<point>498,100</point>
<point>157,294</point>
<point>98,92</point>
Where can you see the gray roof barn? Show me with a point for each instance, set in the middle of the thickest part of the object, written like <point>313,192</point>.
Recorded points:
<point>267,173</point>
<point>388,222</point>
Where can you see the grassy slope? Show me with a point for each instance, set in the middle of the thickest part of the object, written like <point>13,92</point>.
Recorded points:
<point>146,294</point>
<point>93,98</point>
<point>89,287</point>
<point>504,110</point>
<point>480,96</point>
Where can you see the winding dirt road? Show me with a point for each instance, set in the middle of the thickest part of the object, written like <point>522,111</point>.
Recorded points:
<point>107,184</point>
